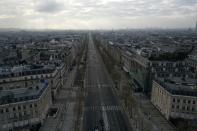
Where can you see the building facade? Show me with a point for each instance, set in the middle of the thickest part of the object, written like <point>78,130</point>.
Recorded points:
<point>24,108</point>
<point>174,99</point>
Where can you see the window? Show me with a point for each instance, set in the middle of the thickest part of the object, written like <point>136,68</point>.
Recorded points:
<point>183,108</point>
<point>177,107</point>
<point>14,108</point>
<point>7,110</point>
<point>30,105</point>
<point>21,98</point>
<point>172,106</point>
<point>35,105</point>
<point>20,115</point>
<point>15,99</point>
<point>173,99</point>
<point>193,109</point>
<point>1,110</point>
<point>26,98</point>
<point>189,101</point>
<point>19,107</point>
<point>184,101</point>
<point>24,107</point>
<point>194,102</point>
<point>178,100</point>
<point>25,84</point>
<point>187,108</point>
<point>15,115</point>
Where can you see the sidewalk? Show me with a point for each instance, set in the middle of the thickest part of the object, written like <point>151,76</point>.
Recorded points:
<point>151,115</point>
<point>66,102</point>
<point>145,117</point>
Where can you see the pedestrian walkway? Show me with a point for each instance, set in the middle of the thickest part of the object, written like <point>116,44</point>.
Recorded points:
<point>51,123</point>
<point>153,115</point>
<point>147,117</point>
<point>68,123</point>
<point>66,106</point>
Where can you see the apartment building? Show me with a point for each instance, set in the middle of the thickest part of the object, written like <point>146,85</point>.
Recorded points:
<point>171,69</point>
<point>126,60</point>
<point>192,63</point>
<point>24,108</point>
<point>143,71</point>
<point>175,97</point>
<point>114,50</point>
<point>26,77</point>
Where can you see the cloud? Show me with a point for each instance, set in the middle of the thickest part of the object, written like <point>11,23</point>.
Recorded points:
<point>185,2</point>
<point>49,6</point>
<point>97,13</point>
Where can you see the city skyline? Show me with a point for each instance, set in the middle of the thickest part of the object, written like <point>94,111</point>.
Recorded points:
<point>97,14</point>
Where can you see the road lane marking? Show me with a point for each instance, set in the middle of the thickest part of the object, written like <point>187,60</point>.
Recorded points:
<point>104,114</point>
<point>105,108</point>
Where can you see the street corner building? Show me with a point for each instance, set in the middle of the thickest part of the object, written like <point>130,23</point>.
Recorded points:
<point>176,98</point>
<point>25,108</point>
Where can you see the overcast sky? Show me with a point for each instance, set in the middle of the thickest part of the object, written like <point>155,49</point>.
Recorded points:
<point>97,14</point>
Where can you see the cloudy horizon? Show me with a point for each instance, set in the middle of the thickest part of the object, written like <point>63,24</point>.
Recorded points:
<point>97,14</point>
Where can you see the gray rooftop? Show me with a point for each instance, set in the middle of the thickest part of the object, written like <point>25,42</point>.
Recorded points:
<point>26,70</point>
<point>179,86</point>
<point>22,94</point>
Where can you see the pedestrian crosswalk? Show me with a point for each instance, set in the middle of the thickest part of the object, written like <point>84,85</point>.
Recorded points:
<point>103,108</point>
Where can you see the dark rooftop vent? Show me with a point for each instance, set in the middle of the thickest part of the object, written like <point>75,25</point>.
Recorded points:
<point>37,87</point>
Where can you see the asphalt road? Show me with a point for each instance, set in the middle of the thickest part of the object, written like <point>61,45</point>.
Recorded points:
<point>101,104</point>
